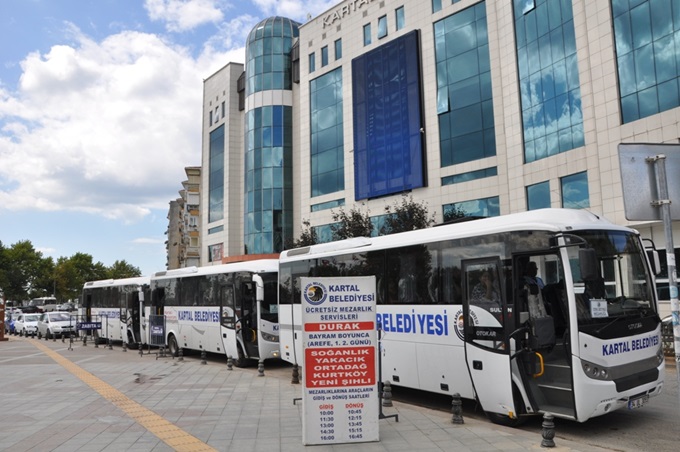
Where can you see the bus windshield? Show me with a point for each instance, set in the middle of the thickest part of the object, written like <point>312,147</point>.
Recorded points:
<point>621,289</point>
<point>269,306</point>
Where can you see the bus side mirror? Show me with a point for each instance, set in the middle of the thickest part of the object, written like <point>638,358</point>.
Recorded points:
<point>654,261</point>
<point>588,264</point>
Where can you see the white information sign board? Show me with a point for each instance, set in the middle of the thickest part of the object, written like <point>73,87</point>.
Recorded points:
<point>340,402</point>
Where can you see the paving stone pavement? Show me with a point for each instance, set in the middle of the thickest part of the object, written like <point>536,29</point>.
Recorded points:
<point>58,396</point>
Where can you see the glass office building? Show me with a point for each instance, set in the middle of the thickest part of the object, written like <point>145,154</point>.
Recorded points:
<point>482,107</point>
<point>268,134</point>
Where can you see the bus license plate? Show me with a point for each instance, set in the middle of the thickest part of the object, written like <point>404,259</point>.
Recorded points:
<point>637,402</point>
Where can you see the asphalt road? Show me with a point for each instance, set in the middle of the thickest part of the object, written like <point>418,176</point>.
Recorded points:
<point>654,427</point>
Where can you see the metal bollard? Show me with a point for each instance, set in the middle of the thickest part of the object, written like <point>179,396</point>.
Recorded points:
<point>141,350</point>
<point>548,432</point>
<point>260,369</point>
<point>387,394</point>
<point>124,346</point>
<point>203,361</point>
<point>85,341</point>
<point>457,409</point>
<point>296,375</point>
<point>230,363</point>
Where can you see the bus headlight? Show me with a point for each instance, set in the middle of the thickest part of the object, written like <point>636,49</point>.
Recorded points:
<point>660,357</point>
<point>594,371</point>
<point>269,337</point>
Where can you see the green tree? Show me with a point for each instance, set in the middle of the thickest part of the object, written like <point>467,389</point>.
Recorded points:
<point>406,215</point>
<point>354,223</point>
<point>21,269</point>
<point>71,274</point>
<point>121,269</point>
<point>3,273</point>
<point>307,237</point>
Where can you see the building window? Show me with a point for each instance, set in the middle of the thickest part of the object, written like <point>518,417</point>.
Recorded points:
<point>210,118</point>
<point>312,62</point>
<point>216,229</point>
<point>575,191</point>
<point>464,97</point>
<point>367,34</point>
<point>216,175</point>
<point>472,175</point>
<point>215,253</point>
<point>324,56</point>
<point>223,109</point>
<point>399,18</point>
<point>647,34</point>
<point>327,142</point>
<point>382,27</point>
<point>338,49</point>
<point>487,207</point>
<point>436,5</point>
<point>550,92</point>
<point>328,205</point>
<point>538,196</point>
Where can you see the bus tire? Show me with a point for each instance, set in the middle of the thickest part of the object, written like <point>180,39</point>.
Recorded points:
<point>240,361</point>
<point>504,419</point>
<point>131,344</point>
<point>173,348</point>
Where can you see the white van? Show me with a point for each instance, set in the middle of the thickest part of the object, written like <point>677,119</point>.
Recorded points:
<point>44,304</point>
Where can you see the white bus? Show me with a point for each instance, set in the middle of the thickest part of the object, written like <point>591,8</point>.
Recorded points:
<point>229,309</point>
<point>459,311</point>
<point>117,304</point>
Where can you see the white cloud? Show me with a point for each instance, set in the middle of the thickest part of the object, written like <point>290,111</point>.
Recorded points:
<point>105,128</point>
<point>183,15</point>
<point>295,9</point>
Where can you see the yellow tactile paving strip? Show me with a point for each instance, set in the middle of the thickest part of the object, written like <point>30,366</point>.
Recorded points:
<point>167,432</point>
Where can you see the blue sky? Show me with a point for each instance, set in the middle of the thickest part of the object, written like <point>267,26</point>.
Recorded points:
<point>100,112</point>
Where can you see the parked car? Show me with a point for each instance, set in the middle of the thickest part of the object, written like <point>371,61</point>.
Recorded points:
<point>56,323</point>
<point>66,307</point>
<point>26,324</point>
<point>10,317</point>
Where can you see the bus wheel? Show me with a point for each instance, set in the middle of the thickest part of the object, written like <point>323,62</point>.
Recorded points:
<point>173,348</point>
<point>131,344</point>
<point>240,360</point>
<point>504,419</point>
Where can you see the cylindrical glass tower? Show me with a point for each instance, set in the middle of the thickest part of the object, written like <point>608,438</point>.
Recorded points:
<point>269,136</point>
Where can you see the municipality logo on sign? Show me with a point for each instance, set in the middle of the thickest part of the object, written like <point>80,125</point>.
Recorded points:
<point>315,293</point>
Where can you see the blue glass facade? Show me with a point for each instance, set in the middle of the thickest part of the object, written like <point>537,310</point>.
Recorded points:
<point>548,77</point>
<point>386,95</point>
<point>326,140</point>
<point>647,36</point>
<point>268,63</point>
<point>464,98</point>
<point>216,175</point>
<point>268,178</point>
<point>269,139</point>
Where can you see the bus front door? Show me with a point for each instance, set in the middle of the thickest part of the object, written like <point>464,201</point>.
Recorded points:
<point>248,317</point>
<point>485,312</point>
